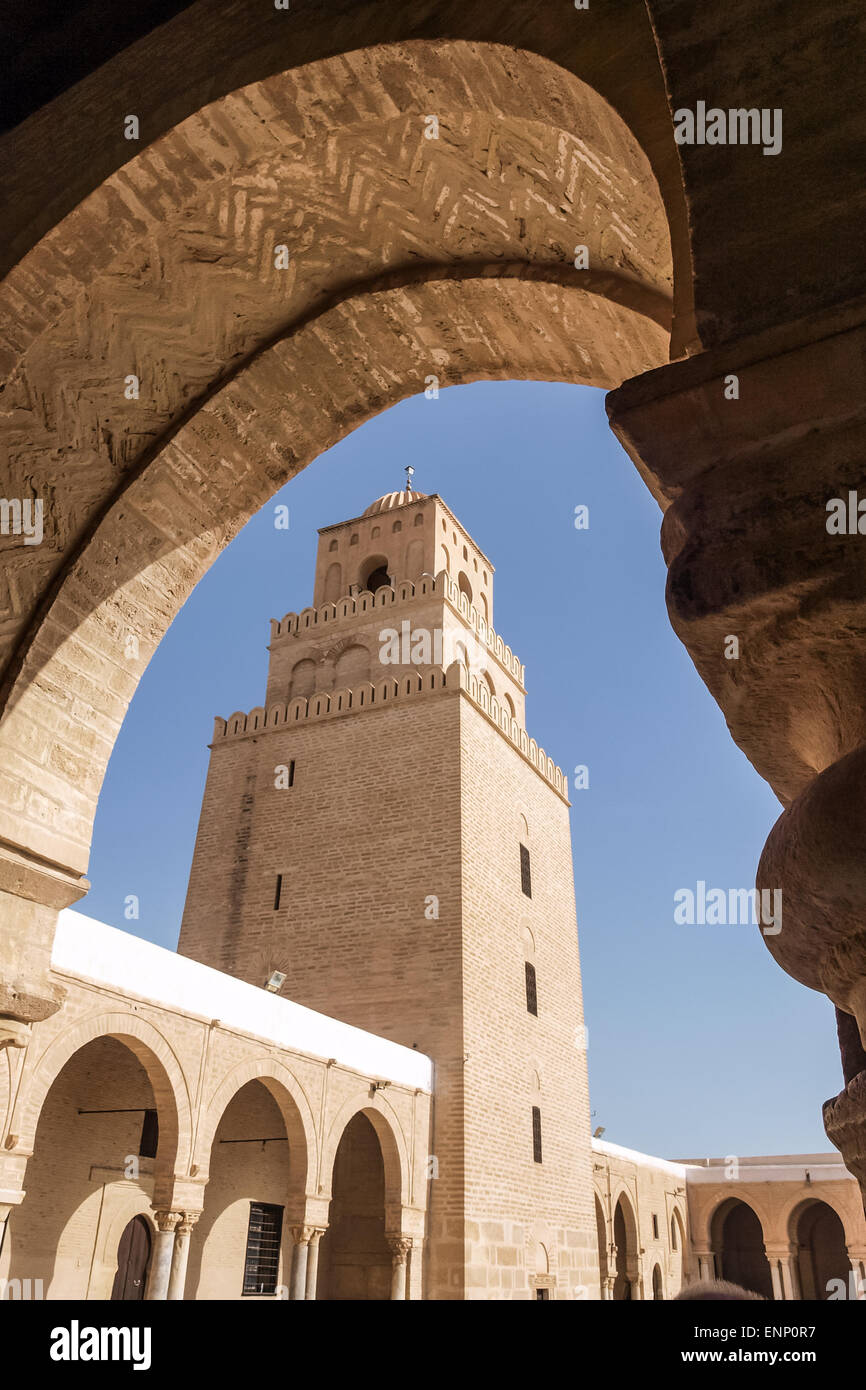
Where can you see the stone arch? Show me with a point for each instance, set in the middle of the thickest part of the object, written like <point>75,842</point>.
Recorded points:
<point>625,1238</point>
<point>162,516</point>
<point>294,1108</point>
<point>737,1233</point>
<point>392,1141</point>
<point>355,1255</point>
<point>818,1231</point>
<point>372,565</point>
<point>152,1050</point>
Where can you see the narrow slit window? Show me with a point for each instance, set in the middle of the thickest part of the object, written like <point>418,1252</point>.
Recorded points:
<point>655,1227</point>
<point>147,1144</point>
<point>262,1261</point>
<point>292,773</point>
<point>525,871</point>
<point>531,989</point>
<point>536,1133</point>
<point>278,891</point>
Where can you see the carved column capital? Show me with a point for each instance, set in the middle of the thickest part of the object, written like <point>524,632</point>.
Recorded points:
<point>399,1247</point>
<point>167,1220</point>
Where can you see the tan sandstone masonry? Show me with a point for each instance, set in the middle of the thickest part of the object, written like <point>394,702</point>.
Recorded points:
<point>401,911</point>
<point>64,1160</point>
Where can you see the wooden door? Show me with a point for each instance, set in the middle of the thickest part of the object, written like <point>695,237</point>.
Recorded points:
<point>133,1257</point>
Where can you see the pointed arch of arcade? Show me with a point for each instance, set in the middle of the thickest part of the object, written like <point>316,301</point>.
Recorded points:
<point>297,1116</point>
<point>627,1281</point>
<point>247,370</point>
<point>392,1142</point>
<point>789,1219</point>
<point>152,1051</point>
<point>818,1232</point>
<point>745,1264</point>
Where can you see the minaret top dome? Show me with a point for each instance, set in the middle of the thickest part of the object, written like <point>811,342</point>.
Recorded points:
<point>392,500</point>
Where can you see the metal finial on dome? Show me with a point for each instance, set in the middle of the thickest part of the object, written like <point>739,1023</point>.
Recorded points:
<point>410,473</point>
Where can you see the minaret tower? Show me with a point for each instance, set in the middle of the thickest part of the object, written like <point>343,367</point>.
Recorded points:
<point>384,832</point>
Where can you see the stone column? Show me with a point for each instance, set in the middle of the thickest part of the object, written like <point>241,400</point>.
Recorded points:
<point>767,590</point>
<point>858,1273</point>
<point>313,1261</point>
<point>180,1255</point>
<point>790,1273</point>
<point>163,1250</point>
<point>298,1283</point>
<point>399,1247</point>
<point>781,1257</point>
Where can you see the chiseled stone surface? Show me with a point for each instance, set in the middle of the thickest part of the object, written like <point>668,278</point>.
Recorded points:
<point>407,257</point>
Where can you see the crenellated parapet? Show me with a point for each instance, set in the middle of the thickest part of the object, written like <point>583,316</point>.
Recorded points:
<point>388,599</point>
<point>336,703</point>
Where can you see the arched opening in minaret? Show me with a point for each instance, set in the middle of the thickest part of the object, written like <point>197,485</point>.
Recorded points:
<point>822,1255</point>
<point>378,578</point>
<point>355,1261</point>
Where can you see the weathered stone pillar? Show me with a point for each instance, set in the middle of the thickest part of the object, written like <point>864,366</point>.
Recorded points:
<point>791,1274</point>
<point>313,1261</point>
<point>782,1259</point>
<point>180,1254</point>
<point>765,542</point>
<point>298,1282</point>
<point>399,1247</point>
<point>163,1251</point>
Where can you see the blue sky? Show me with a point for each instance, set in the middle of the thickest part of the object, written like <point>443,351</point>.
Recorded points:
<point>698,1043</point>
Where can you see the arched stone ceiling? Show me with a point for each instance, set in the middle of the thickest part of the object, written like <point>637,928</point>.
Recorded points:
<point>407,256</point>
